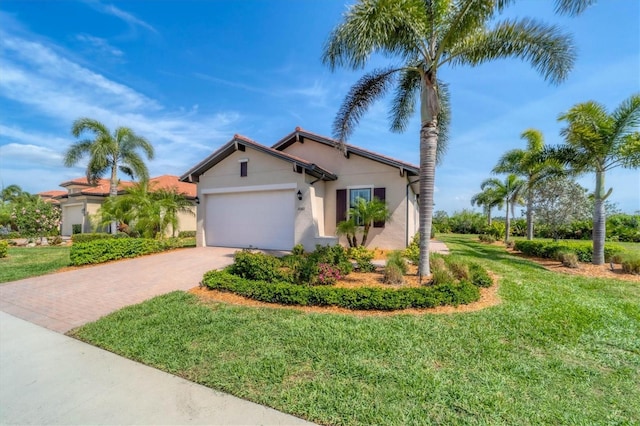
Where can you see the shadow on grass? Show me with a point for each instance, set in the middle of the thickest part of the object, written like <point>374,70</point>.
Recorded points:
<point>465,246</point>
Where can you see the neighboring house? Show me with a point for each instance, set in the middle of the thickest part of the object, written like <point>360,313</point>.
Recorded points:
<point>52,197</point>
<point>296,192</point>
<point>83,199</point>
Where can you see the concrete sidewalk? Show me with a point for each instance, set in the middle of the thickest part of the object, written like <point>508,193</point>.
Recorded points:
<point>47,378</point>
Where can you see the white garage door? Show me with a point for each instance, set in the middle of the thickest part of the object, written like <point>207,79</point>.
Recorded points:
<point>261,219</point>
<point>71,215</point>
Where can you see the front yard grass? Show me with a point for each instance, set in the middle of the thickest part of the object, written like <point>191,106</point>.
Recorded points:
<point>24,262</point>
<point>560,349</point>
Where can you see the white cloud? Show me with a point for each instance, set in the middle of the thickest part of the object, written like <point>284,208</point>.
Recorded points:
<point>100,45</point>
<point>13,154</point>
<point>127,17</point>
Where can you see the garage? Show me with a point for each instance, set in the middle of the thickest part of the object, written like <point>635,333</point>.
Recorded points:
<point>259,219</point>
<point>74,215</point>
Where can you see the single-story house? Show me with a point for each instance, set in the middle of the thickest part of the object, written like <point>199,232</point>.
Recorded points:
<point>83,199</point>
<point>297,191</point>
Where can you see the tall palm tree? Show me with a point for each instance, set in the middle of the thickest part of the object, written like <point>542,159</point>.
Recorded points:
<point>510,190</point>
<point>528,164</point>
<point>424,36</point>
<point>109,153</point>
<point>488,199</point>
<point>595,142</point>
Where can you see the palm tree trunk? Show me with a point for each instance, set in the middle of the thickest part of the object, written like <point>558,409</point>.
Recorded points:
<point>599,221</point>
<point>428,142</point>
<point>489,216</point>
<point>507,229</point>
<point>365,234</point>
<point>113,192</point>
<point>529,213</point>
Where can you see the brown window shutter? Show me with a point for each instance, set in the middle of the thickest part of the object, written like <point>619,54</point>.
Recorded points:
<point>341,205</point>
<point>243,169</point>
<point>380,194</point>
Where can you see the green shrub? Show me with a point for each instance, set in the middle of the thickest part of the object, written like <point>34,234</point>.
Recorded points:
<point>364,298</point>
<point>396,258</point>
<point>459,268</point>
<point>10,235</point>
<point>631,263</point>
<point>256,266</point>
<point>298,250</point>
<point>393,274</point>
<point>4,248</point>
<point>333,255</point>
<point>187,234</point>
<point>496,230</point>
<point>362,257</point>
<point>412,253</point>
<point>76,228</point>
<point>486,238</point>
<point>85,238</point>
<point>55,241</point>
<point>104,250</point>
<point>479,276</point>
<point>568,258</point>
<point>550,249</point>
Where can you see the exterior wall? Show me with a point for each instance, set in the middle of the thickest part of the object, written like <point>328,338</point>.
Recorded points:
<point>360,172</point>
<point>263,172</point>
<point>186,221</point>
<point>71,214</point>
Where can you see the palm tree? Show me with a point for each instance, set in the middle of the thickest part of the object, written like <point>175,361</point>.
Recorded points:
<point>109,152</point>
<point>528,164</point>
<point>364,213</point>
<point>488,199</point>
<point>171,204</point>
<point>424,36</point>
<point>510,191</point>
<point>596,141</point>
<point>348,228</point>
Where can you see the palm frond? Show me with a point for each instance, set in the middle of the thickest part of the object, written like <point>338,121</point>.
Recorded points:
<point>550,52</point>
<point>392,27</point>
<point>405,98</point>
<point>626,117</point>
<point>366,91</point>
<point>85,124</point>
<point>76,151</point>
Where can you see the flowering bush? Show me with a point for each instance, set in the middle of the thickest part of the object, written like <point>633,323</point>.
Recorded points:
<point>327,274</point>
<point>36,219</point>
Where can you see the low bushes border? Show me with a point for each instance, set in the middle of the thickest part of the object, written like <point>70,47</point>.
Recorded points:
<point>104,250</point>
<point>85,238</point>
<point>551,249</point>
<point>363,298</point>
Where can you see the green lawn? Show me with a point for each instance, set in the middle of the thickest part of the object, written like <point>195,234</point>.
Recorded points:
<point>24,262</point>
<point>560,349</point>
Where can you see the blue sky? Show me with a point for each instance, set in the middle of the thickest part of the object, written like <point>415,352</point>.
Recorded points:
<point>189,75</point>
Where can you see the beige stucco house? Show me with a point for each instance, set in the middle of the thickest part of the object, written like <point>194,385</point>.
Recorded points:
<point>83,199</point>
<point>296,191</point>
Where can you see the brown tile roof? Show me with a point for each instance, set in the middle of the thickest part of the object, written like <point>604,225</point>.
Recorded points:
<point>172,182</point>
<point>52,194</point>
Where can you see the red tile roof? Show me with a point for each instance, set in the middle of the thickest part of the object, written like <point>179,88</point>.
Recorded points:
<point>158,182</point>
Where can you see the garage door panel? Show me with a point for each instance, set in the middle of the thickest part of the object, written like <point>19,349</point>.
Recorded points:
<point>262,219</point>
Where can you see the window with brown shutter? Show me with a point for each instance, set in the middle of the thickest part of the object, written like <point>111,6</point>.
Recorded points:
<point>341,205</point>
<point>380,194</point>
<point>243,168</point>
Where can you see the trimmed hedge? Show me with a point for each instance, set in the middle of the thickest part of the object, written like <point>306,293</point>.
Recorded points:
<point>551,250</point>
<point>187,234</point>
<point>4,248</point>
<point>85,238</point>
<point>364,298</point>
<point>104,250</point>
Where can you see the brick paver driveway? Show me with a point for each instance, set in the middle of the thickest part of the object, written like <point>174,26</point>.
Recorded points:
<point>65,300</point>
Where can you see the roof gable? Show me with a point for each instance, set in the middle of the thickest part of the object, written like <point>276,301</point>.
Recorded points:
<point>240,143</point>
<point>300,134</point>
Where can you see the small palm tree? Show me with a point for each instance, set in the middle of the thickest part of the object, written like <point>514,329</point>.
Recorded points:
<point>348,228</point>
<point>109,153</point>
<point>527,163</point>
<point>595,142</point>
<point>488,199</point>
<point>425,36</point>
<point>510,191</point>
<point>365,213</point>
<point>171,204</point>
